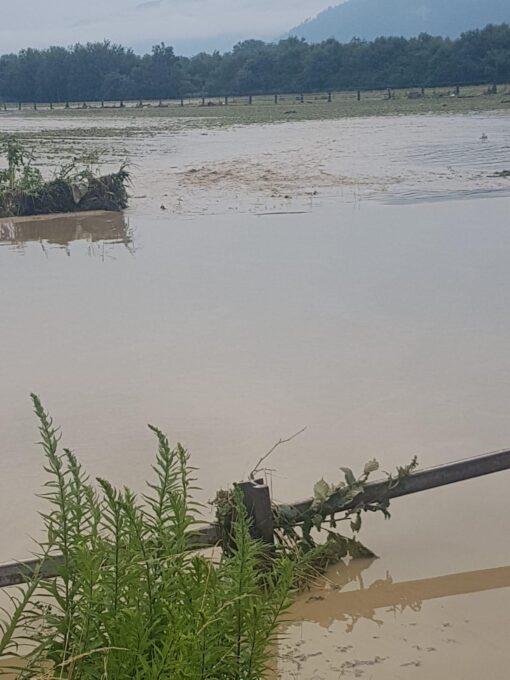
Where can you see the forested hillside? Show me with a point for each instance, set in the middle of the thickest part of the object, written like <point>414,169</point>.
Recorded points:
<point>368,19</point>
<point>105,71</point>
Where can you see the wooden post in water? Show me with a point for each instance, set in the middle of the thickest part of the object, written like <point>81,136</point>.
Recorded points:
<point>330,97</point>
<point>276,99</point>
<point>226,100</point>
<point>182,102</point>
<point>422,91</point>
<point>203,101</point>
<point>359,95</point>
<point>250,100</point>
<point>35,106</point>
<point>258,504</point>
<point>19,106</point>
<point>457,90</point>
<point>301,98</point>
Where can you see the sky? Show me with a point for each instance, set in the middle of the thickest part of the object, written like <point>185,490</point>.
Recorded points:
<point>189,25</point>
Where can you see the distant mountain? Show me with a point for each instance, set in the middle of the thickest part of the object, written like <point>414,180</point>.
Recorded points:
<point>369,19</point>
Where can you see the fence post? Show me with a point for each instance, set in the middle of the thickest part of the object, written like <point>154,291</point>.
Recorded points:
<point>276,99</point>
<point>330,98</point>
<point>457,90</point>
<point>250,100</point>
<point>359,95</point>
<point>258,505</point>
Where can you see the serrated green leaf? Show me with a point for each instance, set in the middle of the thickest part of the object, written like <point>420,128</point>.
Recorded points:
<point>321,490</point>
<point>317,521</point>
<point>287,513</point>
<point>349,476</point>
<point>371,466</point>
<point>356,523</point>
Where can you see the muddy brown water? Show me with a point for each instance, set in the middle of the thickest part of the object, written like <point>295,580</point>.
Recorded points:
<point>348,276</point>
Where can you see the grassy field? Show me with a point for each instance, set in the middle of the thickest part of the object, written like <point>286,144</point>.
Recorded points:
<point>215,113</point>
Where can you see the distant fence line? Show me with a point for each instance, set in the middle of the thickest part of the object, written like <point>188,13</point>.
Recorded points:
<point>414,91</point>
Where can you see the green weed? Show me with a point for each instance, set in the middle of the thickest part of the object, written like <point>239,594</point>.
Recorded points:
<point>131,601</point>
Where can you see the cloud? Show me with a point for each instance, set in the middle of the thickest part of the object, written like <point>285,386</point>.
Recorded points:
<point>150,4</point>
<point>191,24</point>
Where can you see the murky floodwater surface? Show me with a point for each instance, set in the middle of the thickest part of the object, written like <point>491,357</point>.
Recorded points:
<point>271,278</point>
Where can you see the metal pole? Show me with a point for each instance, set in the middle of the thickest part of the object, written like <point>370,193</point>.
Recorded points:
<point>258,503</point>
<point>15,573</point>
<point>422,480</point>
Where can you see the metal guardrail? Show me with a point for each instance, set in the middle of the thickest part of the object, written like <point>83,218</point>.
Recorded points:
<point>16,573</point>
<point>423,480</point>
<point>259,506</point>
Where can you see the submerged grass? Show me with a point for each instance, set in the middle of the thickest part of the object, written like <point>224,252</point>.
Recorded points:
<point>131,602</point>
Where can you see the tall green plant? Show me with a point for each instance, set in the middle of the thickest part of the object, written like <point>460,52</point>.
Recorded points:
<point>131,601</point>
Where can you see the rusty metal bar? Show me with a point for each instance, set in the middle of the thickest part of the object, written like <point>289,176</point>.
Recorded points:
<point>258,503</point>
<point>16,573</point>
<point>423,480</point>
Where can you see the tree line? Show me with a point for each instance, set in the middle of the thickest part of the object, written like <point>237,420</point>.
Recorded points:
<point>106,71</point>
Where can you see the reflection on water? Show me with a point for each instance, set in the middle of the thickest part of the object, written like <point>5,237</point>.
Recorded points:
<point>390,629</point>
<point>394,597</point>
<point>61,230</point>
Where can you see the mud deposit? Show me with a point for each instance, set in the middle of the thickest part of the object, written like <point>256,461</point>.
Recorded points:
<point>349,276</point>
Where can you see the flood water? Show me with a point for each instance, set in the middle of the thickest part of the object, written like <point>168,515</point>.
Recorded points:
<point>351,277</point>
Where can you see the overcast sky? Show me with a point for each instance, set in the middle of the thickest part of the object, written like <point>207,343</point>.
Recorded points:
<point>187,24</point>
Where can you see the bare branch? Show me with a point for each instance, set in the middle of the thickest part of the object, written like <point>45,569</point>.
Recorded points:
<point>258,468</point>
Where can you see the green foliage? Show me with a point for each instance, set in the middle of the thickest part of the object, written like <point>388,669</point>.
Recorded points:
<point>131,601</point>
<point>102,71</point>
<point>77,185</point>
<point>20,173</point>
<point>296,528</point>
